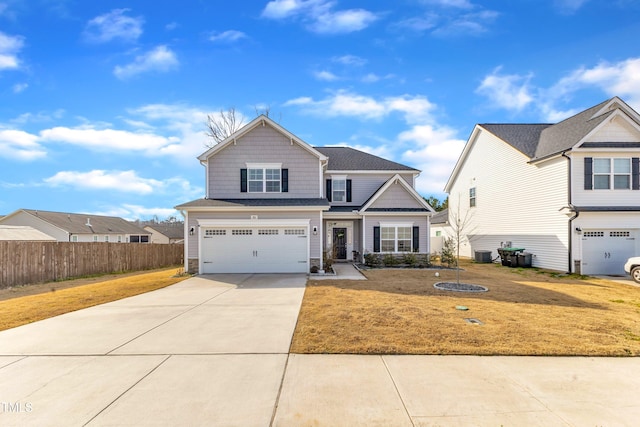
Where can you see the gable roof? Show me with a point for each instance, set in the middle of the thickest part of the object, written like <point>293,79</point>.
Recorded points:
<point>261,120</point>
<point>522,137</point>
<point>170,231</point>
<point>350,159</point>
<point>85,223</point>
<point>441,217</point>
<point>366,207</point>
<point>24,233</point>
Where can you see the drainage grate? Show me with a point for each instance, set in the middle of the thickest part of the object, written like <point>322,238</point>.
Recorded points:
<point>459,287</point>
<point>473,321</point>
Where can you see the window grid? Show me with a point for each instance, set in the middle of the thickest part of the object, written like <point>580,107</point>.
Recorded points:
<point>619,234</point>
<point>339,190</point>
<point>215,232</point>
<point>294,232</point>
<point>472,197</point>
<point>267,232</point>
<point>264,180</point>
<point>244,232</point>
<point>396,239</point>
<point>608,172</point>
<point>594,234</point>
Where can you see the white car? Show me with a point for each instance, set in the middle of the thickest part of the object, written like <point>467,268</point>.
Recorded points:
<point>632,267</point>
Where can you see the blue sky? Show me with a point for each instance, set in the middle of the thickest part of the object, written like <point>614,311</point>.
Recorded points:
<point>103,104</point>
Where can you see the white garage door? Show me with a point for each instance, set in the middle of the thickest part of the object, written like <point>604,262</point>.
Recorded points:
<point>254,249</point>
<point>606,251</point>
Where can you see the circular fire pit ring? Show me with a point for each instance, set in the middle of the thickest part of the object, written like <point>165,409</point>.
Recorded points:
<point>459,287</point>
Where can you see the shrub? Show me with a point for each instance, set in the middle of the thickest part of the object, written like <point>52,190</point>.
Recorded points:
<point>371,260</point>
<point>314,269</point>
<point>389,260</point>
<point>448,255</point>
<point>409,259</point>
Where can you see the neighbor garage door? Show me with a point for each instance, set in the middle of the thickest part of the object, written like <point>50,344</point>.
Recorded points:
<point>606,251</point>
<point>264,249</point>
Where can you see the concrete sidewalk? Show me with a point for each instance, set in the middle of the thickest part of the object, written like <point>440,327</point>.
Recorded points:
<point>213,351</point>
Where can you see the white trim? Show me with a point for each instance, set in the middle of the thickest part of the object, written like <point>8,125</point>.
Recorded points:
<point>186,241</point>
<point>264,165</point>
<point>339,177</point>
<point>254,208</point>
<point>397,224</point>
<point>372,172</point>
<point>254,222</point>
<point>321,241</point>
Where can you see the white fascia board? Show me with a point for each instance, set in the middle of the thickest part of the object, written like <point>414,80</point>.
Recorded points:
<point>254,222</point>
<point>338,215</point>
<point>373,172</point>
<point>627,109</point>
<point>616,114</point>
<point>383,213</point>
<point>465,152</point>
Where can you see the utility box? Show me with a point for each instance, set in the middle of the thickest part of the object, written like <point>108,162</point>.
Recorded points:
<point>483,256</point>
<point>524,259</point>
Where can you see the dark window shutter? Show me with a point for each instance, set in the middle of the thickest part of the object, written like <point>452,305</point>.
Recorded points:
<point>635,173</point>
<point>588,173</point>
<point>348,191</point>
<point>376,239</point>
<point>243,180</point>
<point>285,180</point>
<point>329,190</point>
<point>416,239</point>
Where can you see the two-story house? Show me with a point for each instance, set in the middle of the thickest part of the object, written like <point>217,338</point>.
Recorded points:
<point>569,193</point>
<point>276,204</point>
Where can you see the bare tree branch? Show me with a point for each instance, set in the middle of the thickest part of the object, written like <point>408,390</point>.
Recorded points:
<point>222,125</point>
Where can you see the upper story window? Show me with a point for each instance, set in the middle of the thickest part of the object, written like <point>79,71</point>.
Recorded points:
<point>472,197</point>
<point>264,178</point>
<point>605,173</point>
<point>338,189</point>
<point>611,173</point>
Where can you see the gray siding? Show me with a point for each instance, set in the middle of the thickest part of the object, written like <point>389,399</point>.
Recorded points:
<point>193,217</point>
<point>23,218</point>
<point>396,196</point>
<point>263,145</point>
<point>364,185</point>
<point>419,221</point>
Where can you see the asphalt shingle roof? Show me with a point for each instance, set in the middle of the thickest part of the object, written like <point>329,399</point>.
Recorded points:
<point>440,217</point>
<point>223,203</point>
<point>538,141</point>
<point>171,231</point>
<point>77,223</point>
<point>346,158</point>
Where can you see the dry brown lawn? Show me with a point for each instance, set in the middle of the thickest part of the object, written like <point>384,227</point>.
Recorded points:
<point>52,301</point>
<point>525,312</point>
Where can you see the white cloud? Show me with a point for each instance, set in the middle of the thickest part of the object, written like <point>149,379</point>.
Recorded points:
<point>132,212</point>
<point>469,24</point>
<point>569,6</point>
<point>343,21</point>
<point>20,145</point>
<point>10,46</point>
<point>344,103</point>
<point>160,59</point>
<point>228,36</point>
<point>450,18</point>
<point>109,139</point>
<point>350,60</point>
<point>511,92</point>
<point>114,25</point>
<point>326,76</point>
<point>460,4</point>
<point>435,150</point>
<point>319,16</point>
<point>19,87</point>
<point>515,92</point>
<point>124,181</point>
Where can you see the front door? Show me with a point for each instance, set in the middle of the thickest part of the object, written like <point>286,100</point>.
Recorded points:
<point>339,243</point>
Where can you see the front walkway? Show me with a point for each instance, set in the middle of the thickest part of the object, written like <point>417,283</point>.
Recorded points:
<point>344,271</point>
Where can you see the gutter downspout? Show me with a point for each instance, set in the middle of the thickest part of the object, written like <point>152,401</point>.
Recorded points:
<point>570,257</point>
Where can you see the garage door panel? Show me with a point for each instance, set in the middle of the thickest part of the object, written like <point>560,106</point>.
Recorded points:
<point>255,250</point>
<point>605,251</point>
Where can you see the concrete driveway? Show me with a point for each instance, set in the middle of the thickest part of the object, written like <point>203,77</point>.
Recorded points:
<point>210,350</point>
<point>213,351</point>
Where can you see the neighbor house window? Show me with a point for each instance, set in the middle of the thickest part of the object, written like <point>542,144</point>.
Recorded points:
<point>438,233</point>
<point>611,173</point>
<point>472,197</point>
<point>74,238</point>
<point>339,190</point>
<point>95,238</point>
<point>119,239</point>
<point>106,238</point>
<point>395,239</point>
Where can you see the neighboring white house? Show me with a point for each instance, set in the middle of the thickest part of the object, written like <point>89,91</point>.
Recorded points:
<point>276,204</point>
<point>71,227</point>
<point>23,233</point>
<point>569,193</point>
<point>440,230</point>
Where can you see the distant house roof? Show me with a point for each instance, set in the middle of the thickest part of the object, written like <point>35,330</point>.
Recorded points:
<point>170,231</point>
<point>23,232</point>
<point>441,217</point>
<point>87,224</point>
<point>346,159</point>
<point>231,203</point>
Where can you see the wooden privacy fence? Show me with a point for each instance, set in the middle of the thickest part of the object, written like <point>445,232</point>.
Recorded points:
<point>24,263</point>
